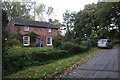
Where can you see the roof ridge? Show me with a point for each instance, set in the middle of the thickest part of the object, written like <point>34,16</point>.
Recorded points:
<point>19,21</point>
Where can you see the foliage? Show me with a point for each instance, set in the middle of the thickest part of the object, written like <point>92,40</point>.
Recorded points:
<point>53,68</point>
<point>84,44</point>
<point>49,11</point>
<point>39,11</point>
<point>17,9</point>
<point>77,40</point>
<point>71,47</point>
<point>57,42</point>
<point>69,18</point>
<point>12,42</point>
<point>32,35</point>
<point>18,58</point>
<point>17,36</point>
<point>95,21</point>
<point>4,26</point>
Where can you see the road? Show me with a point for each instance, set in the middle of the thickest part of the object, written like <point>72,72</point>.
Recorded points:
<point>104,65</point>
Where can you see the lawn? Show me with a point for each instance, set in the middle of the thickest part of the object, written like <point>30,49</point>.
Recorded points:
<point>55,67</point>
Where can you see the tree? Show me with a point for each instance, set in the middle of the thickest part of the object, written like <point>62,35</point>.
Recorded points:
<point>17,9</point>
<point>4,26</point>
<point>40,11</point>
<point>85,21</point>
<point>97,19</point>
<point>49,11</point>
<point>69,18</point>
<point>107,14</point>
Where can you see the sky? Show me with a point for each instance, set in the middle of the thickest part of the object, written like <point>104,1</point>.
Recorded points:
<point>60,6</point>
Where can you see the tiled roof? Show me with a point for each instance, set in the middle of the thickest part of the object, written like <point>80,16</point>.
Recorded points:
<point>18,21</point>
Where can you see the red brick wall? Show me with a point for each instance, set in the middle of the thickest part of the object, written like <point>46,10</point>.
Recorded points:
<point>43,32</point>
<point>13,29</point>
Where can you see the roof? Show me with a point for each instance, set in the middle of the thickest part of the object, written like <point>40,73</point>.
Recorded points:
<point>23,22</point>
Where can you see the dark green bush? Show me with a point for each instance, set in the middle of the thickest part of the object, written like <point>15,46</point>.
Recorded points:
<point>57,42</point>
<point>71,47</point>
<point>13,42</point>
<point>33,36</point>
<point>77,40</point>
<point>94,42</point>
<point>84,44</point>
<point>17,36</point>
<point>66,45</point>
<point>13,63</point>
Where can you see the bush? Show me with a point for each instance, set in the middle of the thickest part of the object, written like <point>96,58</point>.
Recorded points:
<point>57,42</point>
<point>17,36</point>
<point>33,36</point>
<point>13,42</point>
<point>15,62</point>
<point>77,40</point>
<point>94,43</point>
<point>84,44</point>
<point>71,47</point>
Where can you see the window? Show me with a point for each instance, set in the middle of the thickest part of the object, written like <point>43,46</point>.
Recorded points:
<point>26,28</point>
<point>49,30</point>
<point>49,41</point>
<point>26,40</point>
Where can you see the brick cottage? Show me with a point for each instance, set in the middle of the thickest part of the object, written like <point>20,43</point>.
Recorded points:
<point>45,30</point>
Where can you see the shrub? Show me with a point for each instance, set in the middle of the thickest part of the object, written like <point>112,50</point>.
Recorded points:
<point>71,47</point>
<point>13,42</point>
<point>33,36</point>
<point>94,42</point>
<point>66,45</point>
<point>84,44</point>
<point>14,62</point>
<point>77,40</point>
<point>57,42</point>
<point>17,36</point>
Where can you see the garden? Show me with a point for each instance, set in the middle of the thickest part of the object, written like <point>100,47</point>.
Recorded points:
<point>18,58</point>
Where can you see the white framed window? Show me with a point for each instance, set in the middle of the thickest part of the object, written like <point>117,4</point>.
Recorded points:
<point>49,41</point>
<point>26,28</point>
<point>49,30</point>
<point>26,40</point>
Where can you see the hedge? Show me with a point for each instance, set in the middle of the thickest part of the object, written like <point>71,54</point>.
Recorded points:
<point>13,63</point>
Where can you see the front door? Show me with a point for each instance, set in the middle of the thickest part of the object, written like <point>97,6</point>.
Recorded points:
<point>38,42</point>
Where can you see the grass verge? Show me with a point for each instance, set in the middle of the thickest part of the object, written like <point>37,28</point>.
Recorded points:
<point>54,68</point>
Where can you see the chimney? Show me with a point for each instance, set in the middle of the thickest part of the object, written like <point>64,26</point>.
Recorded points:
<point>50,20</point>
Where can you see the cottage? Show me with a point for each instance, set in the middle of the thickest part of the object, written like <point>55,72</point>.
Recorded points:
<point>45,30</point>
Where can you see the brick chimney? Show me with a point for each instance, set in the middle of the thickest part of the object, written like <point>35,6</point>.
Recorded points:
<point>50,20</point>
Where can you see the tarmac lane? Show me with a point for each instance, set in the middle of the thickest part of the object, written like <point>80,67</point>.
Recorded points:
<point>104,65</point>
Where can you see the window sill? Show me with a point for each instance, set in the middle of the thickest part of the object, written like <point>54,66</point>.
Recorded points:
<point>26,31</point>
<point>26,44</point>
<point>49,44</point>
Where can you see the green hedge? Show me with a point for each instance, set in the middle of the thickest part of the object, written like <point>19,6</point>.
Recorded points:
<point>71,47</point>
<point>18,58</point>
<point>13,63</point>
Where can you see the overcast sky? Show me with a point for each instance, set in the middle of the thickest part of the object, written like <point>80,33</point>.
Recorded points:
<point>61,5</point>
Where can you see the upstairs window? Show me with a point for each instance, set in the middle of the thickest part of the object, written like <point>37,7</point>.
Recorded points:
<point>26,28</point>
<point>49,30</point>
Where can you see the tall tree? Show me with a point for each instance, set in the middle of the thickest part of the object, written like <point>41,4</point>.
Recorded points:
<point>85,21</point>
<point>4,26</point>
<point>69,18</point>
<point>40,10</point>
<point>50,11</point>
<point>17,9</point>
